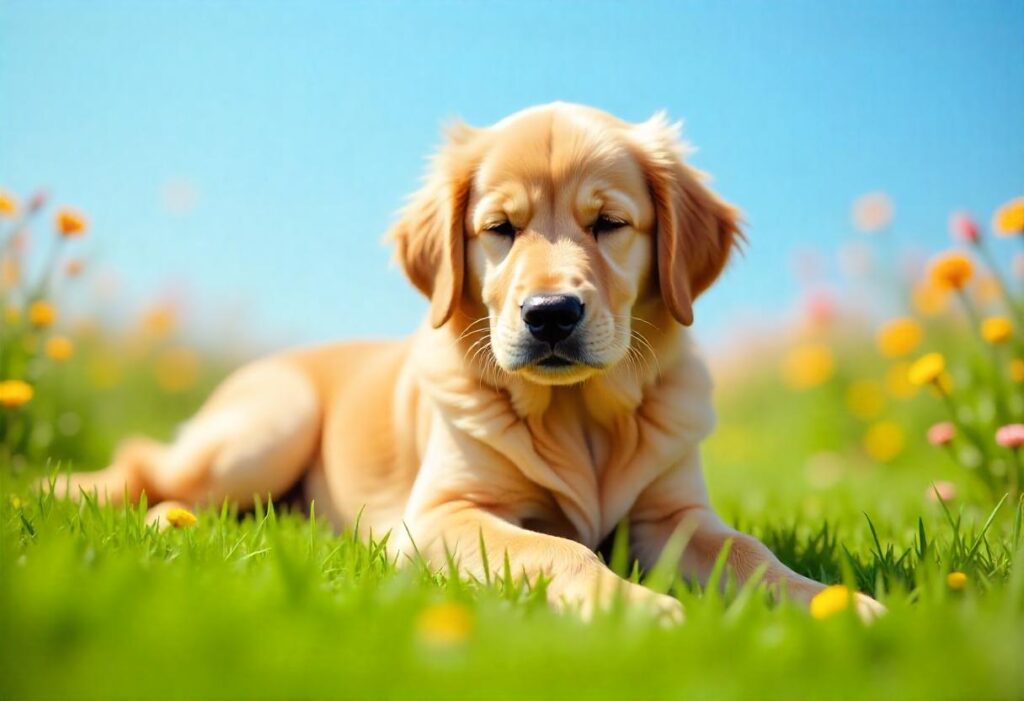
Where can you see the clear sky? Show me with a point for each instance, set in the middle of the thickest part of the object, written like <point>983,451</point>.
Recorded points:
<point>255,152</point>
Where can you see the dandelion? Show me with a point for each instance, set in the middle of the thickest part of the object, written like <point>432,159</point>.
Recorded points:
<point>808,366</point>
<point>1010,436</point>
<point>898,337</point>
<point>865,399</point>
<point>951,270</point>
<point>941,433</point>
<point>69,223</point>
<point>956,580</point>
<point>963,227</point>
<point>884,441</point>
<point>15,393</point>
<point>1009,219</point>
<point>996,329</point>
<point>942,490</point>
<point>444,625</point>
<point>1017,370</point>
<point>830,601</point>
<point>74,267</point>
<point>8,205</point>
<point>926,369</point>
<point>872,212</point>
<point>180,518</point>
<point>59,348</point>
<point>42,314</point>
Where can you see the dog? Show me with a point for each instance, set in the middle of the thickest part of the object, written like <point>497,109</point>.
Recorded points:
<point>551,393</point>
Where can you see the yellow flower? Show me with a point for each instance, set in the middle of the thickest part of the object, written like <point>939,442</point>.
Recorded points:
<point>59,348</point>
<point>865,399</point>
<point>12,315</point>
<point>996,329</point>
<point>177,369</point>
<point>1017,370</point>
<point>896,382</point>
<point>159,321</point>
<point>69,223</point>
<point>926,369</point>
<point>830,601</point>
<point>929,299</point>
<point>444,625</point>
<point>951,270</point>
<point>15,393</point>
<point>42,314</point>
<point>884,441</point>
<point>1009,219</point>
<point>808,366</point>
<point>899,337</point>
<point>956,580</point>
<point>180,518</point>
<point>8,205</point>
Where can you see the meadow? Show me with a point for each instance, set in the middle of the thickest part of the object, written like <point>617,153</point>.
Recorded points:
<point>874,445</point>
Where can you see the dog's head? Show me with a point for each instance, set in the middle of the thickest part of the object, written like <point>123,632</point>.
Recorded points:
<point>559,225</point>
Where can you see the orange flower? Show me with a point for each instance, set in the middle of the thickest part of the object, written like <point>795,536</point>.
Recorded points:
<point>59,348</point>
<point>8,205</point>
<point>15,393</point>
<point>1009,219</point>
<point>951,270</point>
<point>899,337</point>
<point>42,314</point>
<point>996,329</point>
<point>70,223</point>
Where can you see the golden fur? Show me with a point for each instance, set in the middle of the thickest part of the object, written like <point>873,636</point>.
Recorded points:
<point>454,435</point>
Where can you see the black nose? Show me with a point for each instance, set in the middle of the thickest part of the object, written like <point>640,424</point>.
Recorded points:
<point>552,318</point>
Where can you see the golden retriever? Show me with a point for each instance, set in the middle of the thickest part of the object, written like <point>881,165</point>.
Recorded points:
<point>551,393</point>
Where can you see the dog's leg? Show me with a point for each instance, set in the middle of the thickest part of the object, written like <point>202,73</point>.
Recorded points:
<point>679,502</point>
<point>254,437</point>
<point>577,578</point>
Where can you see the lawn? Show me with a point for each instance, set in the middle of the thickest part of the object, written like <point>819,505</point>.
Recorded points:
<point>821,451</point>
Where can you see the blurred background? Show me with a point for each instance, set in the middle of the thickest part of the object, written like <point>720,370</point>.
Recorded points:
<point>187,184</point>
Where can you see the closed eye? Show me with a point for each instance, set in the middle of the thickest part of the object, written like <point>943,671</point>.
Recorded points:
<point>605,224</point>
<point>504,228</point>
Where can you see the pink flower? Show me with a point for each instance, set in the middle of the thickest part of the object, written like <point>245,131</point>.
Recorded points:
<point>941,491</point>
<point>872,212</point>
<point>963,227</point>
<point>1010,436</point>
<point>941,433</point>
<point>37,201</point>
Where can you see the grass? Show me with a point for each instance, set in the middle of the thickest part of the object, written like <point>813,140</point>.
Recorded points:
<point>273,605</point>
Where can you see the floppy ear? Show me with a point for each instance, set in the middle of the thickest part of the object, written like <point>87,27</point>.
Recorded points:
<point>429,233</point>
<point>696,230</point>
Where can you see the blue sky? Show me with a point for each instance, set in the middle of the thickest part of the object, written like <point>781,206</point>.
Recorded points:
<point>290,132</point>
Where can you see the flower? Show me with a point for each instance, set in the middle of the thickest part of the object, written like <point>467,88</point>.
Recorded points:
<point>37,201</point>
<point>927,368</point>
<point>941,433</point>
<point>59,348</point>
<point>865,399</point>
<point>180,518</point>
<point>808,366</point>
<point>884,441</point>
<point>73,268</point>
<point>1017,370</point>
<point>42,314</point>
<point>929,299</point>
<point>444,625</point>
<point>8,205</point>
<point>896,382</point>
<point>996,329</point>
<point>956,580</point>
<point>69,223</point>
<point>830,601</point>
<point>1009,219</point>
<point>176,369</point>
<point>941,491</point>
<point>898,337</point>
<point>1010,436</point>
<point>872,212</point>
<point>15,393</point>
<point>951,270</point>
<point>963,227</point>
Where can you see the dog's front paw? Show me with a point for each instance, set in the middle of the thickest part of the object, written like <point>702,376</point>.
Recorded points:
<point>867,608</point>
<point>589,598</point>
